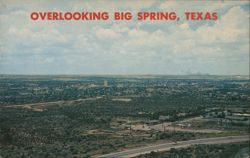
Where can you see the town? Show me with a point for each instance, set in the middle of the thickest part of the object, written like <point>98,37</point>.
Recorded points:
<point>90,116</point>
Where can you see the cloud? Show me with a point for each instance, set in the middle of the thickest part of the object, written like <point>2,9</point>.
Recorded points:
<point>124,46</point>
<point>181,6</point>
<point>228,29</point>
<point>137,5</point>
<point>106,34</point>
<point>184,26</point>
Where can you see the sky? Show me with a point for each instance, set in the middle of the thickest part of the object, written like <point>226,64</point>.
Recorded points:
<point>182,47</point>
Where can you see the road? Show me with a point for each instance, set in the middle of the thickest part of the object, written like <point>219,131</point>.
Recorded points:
<point>180,144</point>
<point>43,105</point>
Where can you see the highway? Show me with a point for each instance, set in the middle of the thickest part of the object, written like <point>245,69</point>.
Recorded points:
<point>167,146</point>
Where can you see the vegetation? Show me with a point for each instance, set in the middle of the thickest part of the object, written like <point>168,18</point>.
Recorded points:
<point>83,128</point>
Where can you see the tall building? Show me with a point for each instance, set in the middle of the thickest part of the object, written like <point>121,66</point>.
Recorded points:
<point>105,83</point>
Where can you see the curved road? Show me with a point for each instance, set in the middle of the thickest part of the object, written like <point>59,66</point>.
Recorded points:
<point>168,146</point>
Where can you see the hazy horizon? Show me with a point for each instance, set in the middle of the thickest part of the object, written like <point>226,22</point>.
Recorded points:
<point>124,75</point>
<point>121,74</point>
